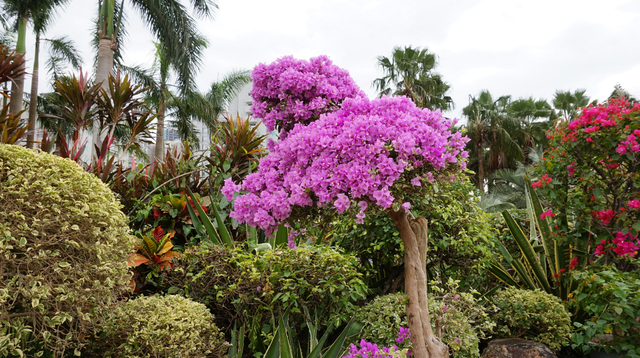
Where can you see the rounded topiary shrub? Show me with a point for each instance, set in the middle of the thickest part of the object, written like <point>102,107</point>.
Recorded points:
<point>240,285</point>
<point>63,246</point>
<point>160,326</point>
<point>384,316</point>
<point>533,315</point>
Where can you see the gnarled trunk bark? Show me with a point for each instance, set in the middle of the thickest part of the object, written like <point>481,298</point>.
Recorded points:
<point>413,233</point>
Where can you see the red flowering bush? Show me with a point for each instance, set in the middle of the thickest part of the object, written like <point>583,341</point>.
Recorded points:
<point>590,178</point>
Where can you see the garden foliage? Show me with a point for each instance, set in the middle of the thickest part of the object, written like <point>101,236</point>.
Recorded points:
<point>241,286</point>
<point>63,246</point>
<point>534,315</point>
<point>612,299</point>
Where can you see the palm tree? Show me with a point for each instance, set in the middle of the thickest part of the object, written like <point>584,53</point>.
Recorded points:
<point>619,92</point>
<point>170,23</point>
<point>22,11</point>
<point>536,118</point>
<point>409,73</point>
<point>568,103</point>
<point>176,33</point>
<point>60,48</point>
<point>490,129</point>
<point>187,104</point>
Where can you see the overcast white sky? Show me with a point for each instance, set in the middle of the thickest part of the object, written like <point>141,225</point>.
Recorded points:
<point>514,47</point>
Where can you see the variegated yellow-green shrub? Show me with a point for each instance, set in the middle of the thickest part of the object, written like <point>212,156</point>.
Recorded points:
<point>63,250</point>
<point>534,315</point>
<point>160,326</point>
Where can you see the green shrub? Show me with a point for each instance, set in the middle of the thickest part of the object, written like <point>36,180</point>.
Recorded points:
<point>244,286</point>
<point>63,246</point>
<point>534,315</point>
<point>161,326</point>
<point>460,319</point>
<point>611,300</point>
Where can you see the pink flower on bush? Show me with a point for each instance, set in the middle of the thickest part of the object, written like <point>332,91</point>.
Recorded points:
<point>547,214</point>
<point>573,263</point>
<point>605,216</point>
<point>634,204</point>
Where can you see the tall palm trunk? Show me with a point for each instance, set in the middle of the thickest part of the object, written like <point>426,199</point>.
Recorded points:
<point>159,152</point>
<point>33,101</point>
<point>17,86</point>
<point>105,65</point>
<point>414,235</point>
<point>480,154</point>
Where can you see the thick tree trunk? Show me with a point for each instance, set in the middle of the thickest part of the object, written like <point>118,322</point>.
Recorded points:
<point>33,101</point>
<point>413,233</point>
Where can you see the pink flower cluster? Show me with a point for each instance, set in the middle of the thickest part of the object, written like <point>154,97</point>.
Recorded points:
<point>547,214</point>
<point>625,245</point>
<point>546,179</point>
<point>634,204</point>
<point>348,158</point>
<point>631,144</point>
<point>290,91</point>
<point>604,215</point>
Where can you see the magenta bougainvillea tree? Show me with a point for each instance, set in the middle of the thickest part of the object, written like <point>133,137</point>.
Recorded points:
<point>590,179</point>
<point>290,91</point>
<point>367,153</point>
<point>344,154</point>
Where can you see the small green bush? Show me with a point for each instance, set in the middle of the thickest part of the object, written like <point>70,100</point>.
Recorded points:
<point>240,285</point>
<point>63,246</point>
<point>454,312</point>
<point>534,315</point>
<point>161,326</point>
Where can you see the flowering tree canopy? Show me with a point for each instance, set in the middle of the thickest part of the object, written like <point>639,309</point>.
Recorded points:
<point>368,152</point>
<point>593,167</point>
<point>290,91</point>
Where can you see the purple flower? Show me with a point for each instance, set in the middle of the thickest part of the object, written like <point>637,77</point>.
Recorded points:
<point>416,181</point>
<point>455,298</point>
<point>444,307</point>
<point>406,206</point>
<point>258,288</point>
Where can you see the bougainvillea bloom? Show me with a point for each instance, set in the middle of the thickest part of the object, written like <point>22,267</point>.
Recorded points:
<point>354,155</point>
<point>290,91</point>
